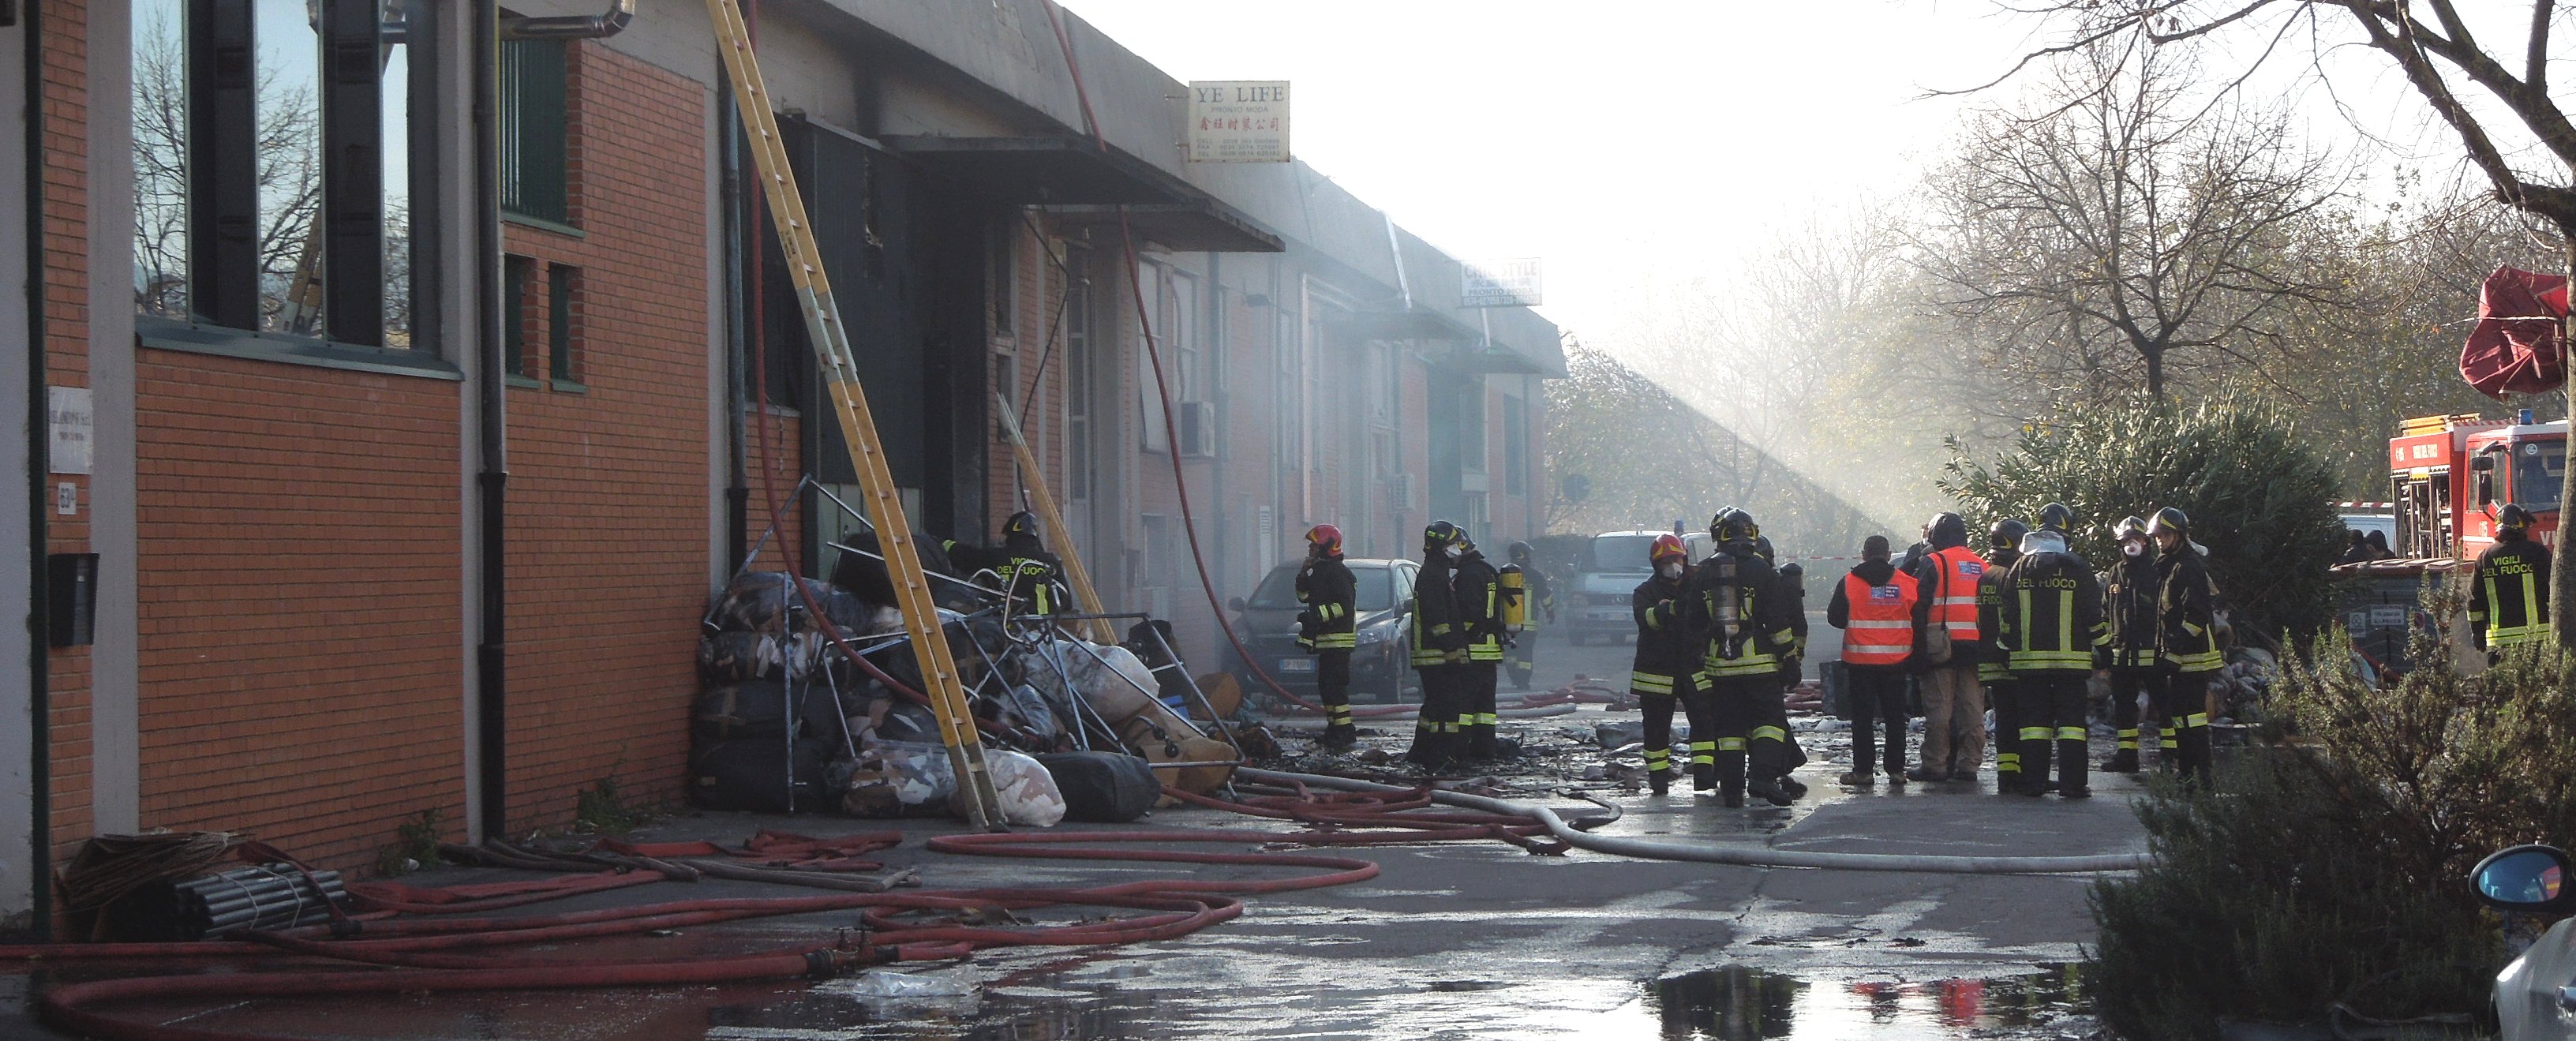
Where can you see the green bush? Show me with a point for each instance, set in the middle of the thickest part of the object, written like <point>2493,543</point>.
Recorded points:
<point>2260,496</point>
<point>2333,870</point>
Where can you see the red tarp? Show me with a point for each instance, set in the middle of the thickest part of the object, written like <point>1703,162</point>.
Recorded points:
<point>2516,346</point>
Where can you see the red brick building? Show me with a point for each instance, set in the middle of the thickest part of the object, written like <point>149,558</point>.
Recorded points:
<point>286,341</point>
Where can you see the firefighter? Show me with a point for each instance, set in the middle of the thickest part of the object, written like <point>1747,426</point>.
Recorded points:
<point>1874,607</point>
<point>1945,614</point>
<point>2050,623</point>
<point>1327,629</point>
<point>1664,671</point>
<point>2186,637</point>
<point>2057,517</point>
<point>2509,592</point>
<point>1439,650</point>
<point>1793,666</point>
<point>1478,592</point>
<point>1737,608</point>
<point>1537,600</point>
<point>2003,546</point>
<point>1033,577</point>
<point>2128,656</point>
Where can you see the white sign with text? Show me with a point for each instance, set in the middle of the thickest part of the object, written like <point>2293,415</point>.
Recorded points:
<point>1239,121</point>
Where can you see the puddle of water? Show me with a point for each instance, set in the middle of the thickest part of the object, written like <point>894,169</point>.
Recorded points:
<point>1740,1003</point>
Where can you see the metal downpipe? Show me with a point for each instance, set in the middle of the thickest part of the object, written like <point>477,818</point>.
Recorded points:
<point>1725,853</point>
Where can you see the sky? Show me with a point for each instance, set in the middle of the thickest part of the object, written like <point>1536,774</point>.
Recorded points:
<point>1614,140</point>
<point>1627,142</point>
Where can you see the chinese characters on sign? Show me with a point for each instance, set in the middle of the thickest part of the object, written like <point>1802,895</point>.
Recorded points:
<point>1503,283</point>
<point>1239,121</point>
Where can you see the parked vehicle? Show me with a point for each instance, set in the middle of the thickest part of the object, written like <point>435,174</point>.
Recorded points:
<point>2535,995</point>
<point>1596,602</point>
<point>1267,623</point>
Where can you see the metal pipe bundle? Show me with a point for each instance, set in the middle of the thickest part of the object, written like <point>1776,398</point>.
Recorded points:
<point>273,896</point>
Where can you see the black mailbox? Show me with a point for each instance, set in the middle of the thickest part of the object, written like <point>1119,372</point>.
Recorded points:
<point>71,598</point>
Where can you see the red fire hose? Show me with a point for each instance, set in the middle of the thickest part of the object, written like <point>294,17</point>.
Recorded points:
<point>412,954</point>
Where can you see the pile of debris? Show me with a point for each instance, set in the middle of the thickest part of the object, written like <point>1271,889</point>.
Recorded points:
<point>811,703</point>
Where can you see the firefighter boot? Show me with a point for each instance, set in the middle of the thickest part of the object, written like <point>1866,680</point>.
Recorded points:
<point>1703,759</point>
<point>2033,751</point>
<point>2074,757</point>
<point>1729,774</point>
<point>1659,770</point>
<point>1339,733</point>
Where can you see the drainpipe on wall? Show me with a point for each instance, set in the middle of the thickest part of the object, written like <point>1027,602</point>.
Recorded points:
<point>493,477</point>
<point>39,496</point>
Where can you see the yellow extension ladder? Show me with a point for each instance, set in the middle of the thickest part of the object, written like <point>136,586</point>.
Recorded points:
<point>867,454</point>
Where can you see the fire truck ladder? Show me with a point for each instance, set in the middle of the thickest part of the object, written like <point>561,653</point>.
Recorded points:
<point>1075,574</point>
<point>867,453</point>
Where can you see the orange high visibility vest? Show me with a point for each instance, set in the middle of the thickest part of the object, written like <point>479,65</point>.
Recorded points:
<point>1881,629</point>
<point>1954,596</point>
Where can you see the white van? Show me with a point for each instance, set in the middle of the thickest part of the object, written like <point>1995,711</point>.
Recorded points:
<point>1608,572</point>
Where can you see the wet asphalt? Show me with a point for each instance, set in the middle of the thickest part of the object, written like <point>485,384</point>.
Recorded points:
<point>1449,941</point>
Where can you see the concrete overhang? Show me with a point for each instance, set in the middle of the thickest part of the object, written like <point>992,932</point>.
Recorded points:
<point>1407,323</point>
<point>1203,226</point>
<point>1074,179</point>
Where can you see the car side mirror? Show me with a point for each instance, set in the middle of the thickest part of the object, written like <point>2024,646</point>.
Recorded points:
<point>2482,462</point>
<point>2524,879</point>
<point>1235,605</point>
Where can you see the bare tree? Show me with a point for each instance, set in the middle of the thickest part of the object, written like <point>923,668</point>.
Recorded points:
<point>2492,91</point>
<point>2108,235</point>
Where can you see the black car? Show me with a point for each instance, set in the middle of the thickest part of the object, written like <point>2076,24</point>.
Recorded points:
<point>1380,670</point>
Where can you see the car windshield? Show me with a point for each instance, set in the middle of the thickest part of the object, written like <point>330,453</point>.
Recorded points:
<point>2539,474</point>
<point>1279,590</point>
<point>1617,554</point>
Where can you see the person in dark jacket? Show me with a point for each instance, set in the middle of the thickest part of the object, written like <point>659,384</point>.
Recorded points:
<point>2128,657</point>
<point>1874,606</point>
<point>2357,549</point>
<point>1478,592</point>
<point>1439,650</point>
<point>2379,547</point>
<point>1327,627</point>
<point>2003,546</point>
<point>2509,591</point>
<point>2051,622</point>
<point>1739,613</point>
<point>1538,603</point>
<point>2186,636</point>
<point>1664,673</point>
<point>1793,585</point>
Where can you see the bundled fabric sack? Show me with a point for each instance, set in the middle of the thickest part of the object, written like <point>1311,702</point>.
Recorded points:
<point>1103,787</point>
<point>1028,792</point>
<point>759,709</point>
<point>767,602</point>
<point>900,778</point>
<point>729,657</point>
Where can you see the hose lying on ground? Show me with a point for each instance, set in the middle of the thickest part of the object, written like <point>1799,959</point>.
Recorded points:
<point>1726,853</point>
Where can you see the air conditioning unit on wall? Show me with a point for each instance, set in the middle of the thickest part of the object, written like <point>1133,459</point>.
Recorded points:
<point>1198,430</point>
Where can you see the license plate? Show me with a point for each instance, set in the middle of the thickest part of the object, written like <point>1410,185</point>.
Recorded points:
<point>1296,664</point>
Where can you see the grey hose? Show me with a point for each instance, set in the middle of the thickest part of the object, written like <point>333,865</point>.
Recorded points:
<point>1723,853</point>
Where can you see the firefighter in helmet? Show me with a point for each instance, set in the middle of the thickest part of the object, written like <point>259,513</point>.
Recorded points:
<point>1439,650</point>
<point>1531,600</point>
<point>1665,671</point>
<point>2509,591</point>
<point>1739,616</point>
<point>1033,577</point>
<point>2003,546</point>
<point>1478,590</point>
<point>2186,637</point>
<point>1326,627</point>
<point>2129,654</point>
<point>2048,625</point>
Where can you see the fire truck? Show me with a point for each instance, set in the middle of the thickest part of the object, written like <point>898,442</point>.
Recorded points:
<point>2448,474</point>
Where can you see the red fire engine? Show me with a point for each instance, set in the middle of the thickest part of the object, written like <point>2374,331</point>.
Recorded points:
<point>2447,472</point>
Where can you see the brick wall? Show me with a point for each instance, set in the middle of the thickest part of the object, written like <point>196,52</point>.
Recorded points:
<point>298,601</point>
<point>65,117</point>
<point>608,496</point>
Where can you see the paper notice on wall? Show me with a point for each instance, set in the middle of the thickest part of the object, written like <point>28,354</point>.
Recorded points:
<point>70,419</point>
<point>1239,121</point>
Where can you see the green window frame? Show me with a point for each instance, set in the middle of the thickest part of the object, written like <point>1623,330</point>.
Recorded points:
<point>535,129</point>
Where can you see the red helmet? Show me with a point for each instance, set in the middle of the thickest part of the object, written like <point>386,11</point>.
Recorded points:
<point>1325,537</point>
<point>1667,547</point>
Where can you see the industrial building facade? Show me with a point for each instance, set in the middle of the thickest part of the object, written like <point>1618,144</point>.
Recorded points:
<point>276,579</point>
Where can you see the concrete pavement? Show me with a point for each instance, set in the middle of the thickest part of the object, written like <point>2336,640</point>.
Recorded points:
<point>1450,941</point>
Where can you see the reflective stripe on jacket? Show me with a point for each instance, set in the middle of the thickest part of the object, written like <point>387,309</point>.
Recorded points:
<point>1952,594</point>
<point>2509,597</point>
<point>1881,629</point>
